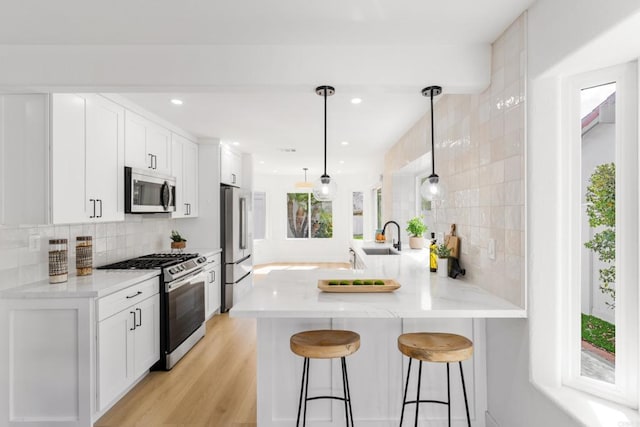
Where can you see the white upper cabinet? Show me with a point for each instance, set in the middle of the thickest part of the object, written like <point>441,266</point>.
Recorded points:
<point>230,167</point>
<point>24,159</point>
<point>87,158</point>
<point>148,145</point>
<point>185,169</point>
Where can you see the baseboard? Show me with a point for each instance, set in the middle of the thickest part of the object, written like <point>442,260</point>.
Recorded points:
<point>489,420</point>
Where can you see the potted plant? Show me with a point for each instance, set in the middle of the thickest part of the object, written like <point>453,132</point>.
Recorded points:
<point>416,228</point>
<point>443,252</point>
<point>177,241</point>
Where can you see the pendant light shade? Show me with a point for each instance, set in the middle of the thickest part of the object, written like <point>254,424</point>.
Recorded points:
<point>431,188</point>
<point>325,188</point>
<point>304,184</point>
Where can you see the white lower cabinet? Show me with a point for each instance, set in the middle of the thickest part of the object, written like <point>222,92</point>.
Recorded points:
<point>66,359</point>
<point>128,345</point>
<point>212,290</point>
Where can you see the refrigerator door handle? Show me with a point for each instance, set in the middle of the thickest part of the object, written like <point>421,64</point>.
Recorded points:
<point>243,223</point>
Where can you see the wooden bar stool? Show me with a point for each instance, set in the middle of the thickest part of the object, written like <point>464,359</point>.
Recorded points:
<point>439,348</point>
<point>324,344</point>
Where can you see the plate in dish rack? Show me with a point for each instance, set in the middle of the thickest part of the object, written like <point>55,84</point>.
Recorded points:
<point>358,285</point>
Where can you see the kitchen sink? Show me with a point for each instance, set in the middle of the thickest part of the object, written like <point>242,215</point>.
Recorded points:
<point>380,251</point>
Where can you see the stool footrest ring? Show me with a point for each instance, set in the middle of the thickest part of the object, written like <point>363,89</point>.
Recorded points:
<point>327,397</point>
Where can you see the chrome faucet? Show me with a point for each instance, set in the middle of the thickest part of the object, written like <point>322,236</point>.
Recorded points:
<point>398,245</point>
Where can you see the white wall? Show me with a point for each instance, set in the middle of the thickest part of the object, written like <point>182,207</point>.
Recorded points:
<point>556,46</point>
<point>277,248</point>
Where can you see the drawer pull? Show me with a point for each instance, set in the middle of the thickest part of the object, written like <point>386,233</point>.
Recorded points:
<point>134,295</point>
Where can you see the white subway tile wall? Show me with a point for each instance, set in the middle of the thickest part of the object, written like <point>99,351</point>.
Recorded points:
<point>115,241</point>
<point>480,159</point>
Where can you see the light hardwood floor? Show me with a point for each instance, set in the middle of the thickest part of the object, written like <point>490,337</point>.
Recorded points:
<point>214,385</point>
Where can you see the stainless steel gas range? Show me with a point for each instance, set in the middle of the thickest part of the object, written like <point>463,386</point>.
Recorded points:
<point>181,301</point>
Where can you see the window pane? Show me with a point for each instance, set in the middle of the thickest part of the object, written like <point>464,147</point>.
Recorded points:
<point>598,111</point>
<point>358,204</point>
<point>259,215</point>
<point>297,215</point>
<point>379,208</point>
<point>321,219</point>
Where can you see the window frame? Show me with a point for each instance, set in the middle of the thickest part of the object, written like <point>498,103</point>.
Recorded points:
<point>625,389</point>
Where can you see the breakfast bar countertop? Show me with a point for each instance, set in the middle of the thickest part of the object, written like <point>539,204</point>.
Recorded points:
<point>294,293</point>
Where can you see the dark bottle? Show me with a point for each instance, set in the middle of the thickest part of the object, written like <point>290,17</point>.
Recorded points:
<point>454,268</point>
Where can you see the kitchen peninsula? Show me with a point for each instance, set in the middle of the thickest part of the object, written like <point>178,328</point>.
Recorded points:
<point>287,302</point>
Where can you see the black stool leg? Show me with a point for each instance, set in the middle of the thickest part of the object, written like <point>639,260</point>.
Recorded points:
<point>406,387</point>
<point>306,394</point>
<point>347,394</point>
<point>418,395</point>
<point>448,397</point>
<point>304,374</point>
<point>464,391</point>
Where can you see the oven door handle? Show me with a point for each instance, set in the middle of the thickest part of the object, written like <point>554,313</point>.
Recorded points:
<point>172,286</point>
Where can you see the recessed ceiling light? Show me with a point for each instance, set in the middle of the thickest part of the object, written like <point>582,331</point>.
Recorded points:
<point>261,162</point>
<point>275,171</point>
<point>345,142</point>
<point>176,101</point>
<point>356,100</point>
<point>235,143</point>
<point>342,162</point>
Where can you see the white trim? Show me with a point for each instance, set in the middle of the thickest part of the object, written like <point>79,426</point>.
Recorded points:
<point>625,389</point>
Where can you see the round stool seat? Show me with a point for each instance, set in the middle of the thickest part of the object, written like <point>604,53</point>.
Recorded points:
<point>325,344</point>
<point>435,346</point>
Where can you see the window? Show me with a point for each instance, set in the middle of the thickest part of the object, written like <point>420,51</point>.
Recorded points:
<point>357,210</point>
<point>377,192</point>
<point>308,217</point>
<point>259,215</point>
<point>601,328</point>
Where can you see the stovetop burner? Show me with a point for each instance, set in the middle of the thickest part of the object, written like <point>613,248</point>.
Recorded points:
<point>149,262</point>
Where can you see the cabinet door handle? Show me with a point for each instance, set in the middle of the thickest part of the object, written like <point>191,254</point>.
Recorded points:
<point>100,201</point>
<point>150,160</point>
<point>213,276</point>
<point>134,320</point>
<point>233,178</point>
<point>94,208</point>
<point>134,295</point>
<point>155,161</point>
<point>140,319</point>
<point>189,204</point>
<point>186,208</point>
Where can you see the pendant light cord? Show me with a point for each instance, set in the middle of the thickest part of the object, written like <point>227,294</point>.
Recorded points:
<point>433,153</point>
<point>325,131</point>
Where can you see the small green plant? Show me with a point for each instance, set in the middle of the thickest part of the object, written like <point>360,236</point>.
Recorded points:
<point>601,210</point>
<point>176,237</point>
<point>442,251</point>
<point>416,226</point>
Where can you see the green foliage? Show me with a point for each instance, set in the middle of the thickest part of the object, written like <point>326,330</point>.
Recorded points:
<point>601,210</point>
<point>442,251</point>
<point>599,333</point>
<point>176,237</point>
<point>416,226</point>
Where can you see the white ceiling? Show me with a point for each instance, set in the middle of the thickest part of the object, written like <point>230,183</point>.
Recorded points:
<point>246,69</point>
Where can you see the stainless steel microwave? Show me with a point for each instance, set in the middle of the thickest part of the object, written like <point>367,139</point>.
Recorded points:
<point>148,192</point>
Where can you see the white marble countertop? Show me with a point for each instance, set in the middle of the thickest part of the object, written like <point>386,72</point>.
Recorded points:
<point>294,293</point>
<point>97,285</point>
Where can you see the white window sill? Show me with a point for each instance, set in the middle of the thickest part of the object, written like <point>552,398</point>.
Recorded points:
<point>590,410</point>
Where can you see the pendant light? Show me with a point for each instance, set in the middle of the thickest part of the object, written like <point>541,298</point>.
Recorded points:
<point>431,188</point>
<point>325,188</point>
<point>306,184</point>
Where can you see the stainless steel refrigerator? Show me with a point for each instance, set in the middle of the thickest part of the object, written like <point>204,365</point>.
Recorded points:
<point>237,242</point>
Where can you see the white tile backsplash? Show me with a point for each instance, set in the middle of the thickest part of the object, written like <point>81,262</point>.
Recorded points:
<point>111,242</point>
<point>480,159</point>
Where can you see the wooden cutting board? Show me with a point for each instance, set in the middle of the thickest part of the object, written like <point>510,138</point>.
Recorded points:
<point>452,242</point>
<point>347,285</point>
